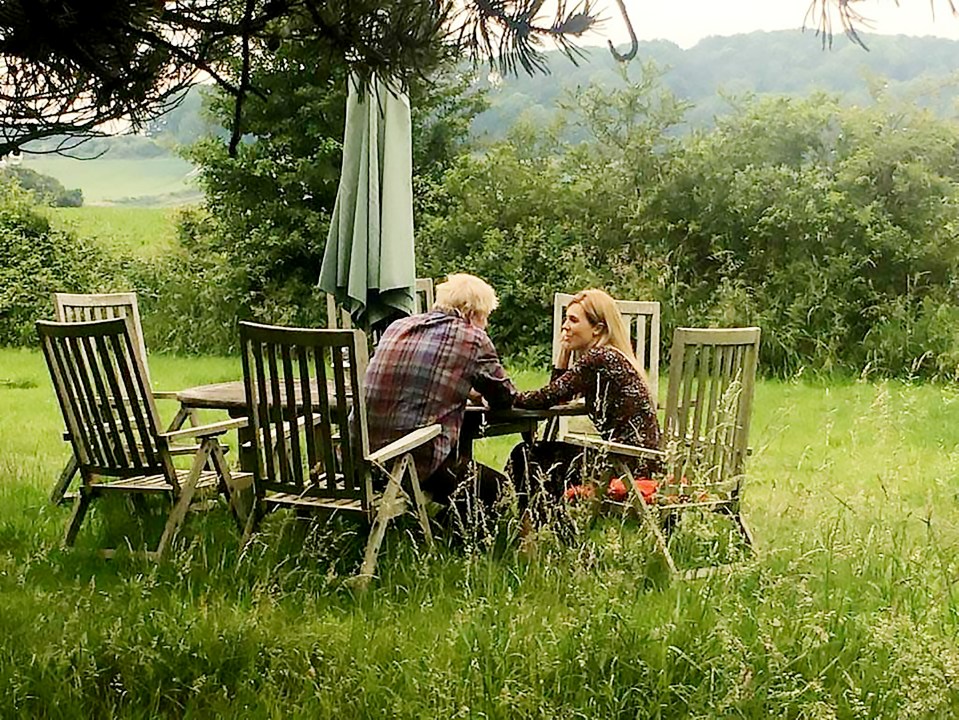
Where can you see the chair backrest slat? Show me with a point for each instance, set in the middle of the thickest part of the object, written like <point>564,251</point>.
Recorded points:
<point>71,381</point>
<point>115,408</point>
<point>91,373</point>
<point>424,298</point>
<point>100,381</point>
<point>342,365</point>
<point>274,411</point>
<point>304,388</point>
<point>290,414</point>
<point>325,457</point>
<point>131,387</point>
<point>77,307</point>
<point>708,405</point>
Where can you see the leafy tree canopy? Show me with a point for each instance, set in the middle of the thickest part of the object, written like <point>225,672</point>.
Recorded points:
<point>70,66</point>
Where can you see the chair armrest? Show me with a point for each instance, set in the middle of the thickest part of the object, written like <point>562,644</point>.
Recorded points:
<point>217,428</point>
<point>406,443</point>
<point>613,448</point>
<point>165,394</point>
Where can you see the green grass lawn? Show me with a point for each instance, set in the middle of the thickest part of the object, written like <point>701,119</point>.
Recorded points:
<point>849,610</point>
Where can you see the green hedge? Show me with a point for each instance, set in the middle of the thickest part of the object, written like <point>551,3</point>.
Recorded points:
<point>38,261</point>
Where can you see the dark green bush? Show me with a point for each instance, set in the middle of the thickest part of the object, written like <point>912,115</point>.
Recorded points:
<point>38,261</point>
<point>832,228</point>
<point>191,301</point>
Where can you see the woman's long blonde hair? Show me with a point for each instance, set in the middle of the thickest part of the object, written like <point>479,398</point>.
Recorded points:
<point>601,311</point>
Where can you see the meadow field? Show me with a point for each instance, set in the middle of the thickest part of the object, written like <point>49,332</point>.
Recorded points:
<point>156,181</point>
<point>848,610</point>
<point>144,232</point>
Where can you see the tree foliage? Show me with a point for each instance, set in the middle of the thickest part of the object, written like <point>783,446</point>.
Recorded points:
<point>918,70</point>
<point>37,261</point>
<point>263,229</point>
<point>69,66</point>
<point>46,189</point>
<point>834,229</point>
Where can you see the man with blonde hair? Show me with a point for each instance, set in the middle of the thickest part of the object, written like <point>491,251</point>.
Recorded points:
<point>424,370</point>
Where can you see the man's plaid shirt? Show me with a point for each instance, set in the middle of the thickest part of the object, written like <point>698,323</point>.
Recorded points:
<point>422,372</point>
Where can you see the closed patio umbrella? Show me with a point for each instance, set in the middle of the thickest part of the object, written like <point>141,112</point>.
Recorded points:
<point>369,263</point>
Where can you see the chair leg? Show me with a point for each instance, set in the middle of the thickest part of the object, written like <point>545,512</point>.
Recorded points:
<point>419,500</point>
<point>385,513</point>
<point>138,504</point>
<point>182,504</point>
<point>182,415</point>
<point>661,539</point>
<point>76,517</point>
<point>63,482</point>
<point>650,519</point>
<point>252,522</point>
<point>233,489</point>
<point>744,529</point>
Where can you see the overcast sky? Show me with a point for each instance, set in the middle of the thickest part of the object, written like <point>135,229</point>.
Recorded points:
<point>685,22</point>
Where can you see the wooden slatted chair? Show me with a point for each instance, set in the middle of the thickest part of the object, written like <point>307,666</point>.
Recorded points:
<point>304,388</point>
<point>103,389</point>
<point>712,377</point>
<point>74,307</point>
<point>642,321</point>
<point>425,295</point>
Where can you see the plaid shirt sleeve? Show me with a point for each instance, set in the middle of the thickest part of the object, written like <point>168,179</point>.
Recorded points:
<point>490,378</point>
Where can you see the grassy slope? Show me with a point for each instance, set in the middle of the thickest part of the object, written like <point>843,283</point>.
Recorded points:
<point>849,610</point>
<point>107,180</point>
<point>141,231</point>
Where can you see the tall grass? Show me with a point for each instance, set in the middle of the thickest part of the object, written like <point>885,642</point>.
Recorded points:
<point>848,610</point>
<point>143,232</point>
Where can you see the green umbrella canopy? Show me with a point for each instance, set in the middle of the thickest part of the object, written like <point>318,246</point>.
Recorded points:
<point>369,264</point>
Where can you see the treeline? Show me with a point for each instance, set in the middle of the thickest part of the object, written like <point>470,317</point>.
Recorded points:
<point>833,227</point>
<point>46,190</point>
<point>921,70</point>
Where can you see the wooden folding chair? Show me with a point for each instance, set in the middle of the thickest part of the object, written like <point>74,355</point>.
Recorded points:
<point>712,377</point>
<point>642,321</point>
<point>425,297</point>
<point>308,415</point>
<point>103,389</point>
<point>73,307</point>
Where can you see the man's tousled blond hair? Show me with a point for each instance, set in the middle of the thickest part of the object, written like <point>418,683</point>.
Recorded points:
<point>467,295</point>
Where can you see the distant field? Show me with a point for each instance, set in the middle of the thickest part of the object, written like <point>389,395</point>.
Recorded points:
<point>159,181</point>
<point>141,231</point>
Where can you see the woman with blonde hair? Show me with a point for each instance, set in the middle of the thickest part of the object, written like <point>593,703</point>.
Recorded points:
<point>607,374</point>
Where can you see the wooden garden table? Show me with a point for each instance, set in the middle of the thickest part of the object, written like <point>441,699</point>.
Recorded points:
<point>479,421</point>
<point>482,422</point>
<point>230,397</point>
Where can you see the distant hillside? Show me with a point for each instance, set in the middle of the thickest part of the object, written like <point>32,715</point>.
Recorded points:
<point>139,170</point>
<point>785,62</point>
<point>159,181</point>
